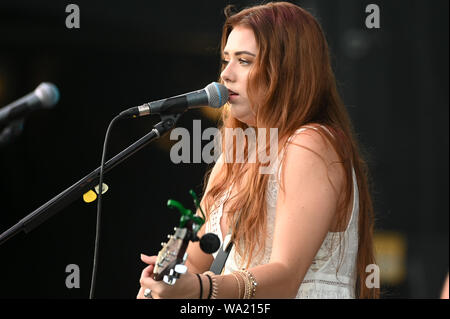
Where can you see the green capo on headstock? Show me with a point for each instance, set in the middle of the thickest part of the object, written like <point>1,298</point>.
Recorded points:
<point>187,214</point>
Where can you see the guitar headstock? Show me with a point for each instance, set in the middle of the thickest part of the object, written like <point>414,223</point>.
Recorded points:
<point>170,263</point>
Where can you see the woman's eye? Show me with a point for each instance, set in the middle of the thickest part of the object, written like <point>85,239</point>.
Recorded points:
<point>241,61</point>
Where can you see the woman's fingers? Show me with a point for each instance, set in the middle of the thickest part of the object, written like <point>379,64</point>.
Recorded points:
<point>140,294</point>
<point>148,259</point>
<point>146,279</point>
<point>147,271</point>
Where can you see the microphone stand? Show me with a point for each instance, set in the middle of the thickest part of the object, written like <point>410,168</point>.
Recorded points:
<point>75,191</point>
<point>10,132</point>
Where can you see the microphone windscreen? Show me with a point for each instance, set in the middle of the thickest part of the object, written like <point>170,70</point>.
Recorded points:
<point>47,93</point>
<point>209,243</point>
<point>217,94</point>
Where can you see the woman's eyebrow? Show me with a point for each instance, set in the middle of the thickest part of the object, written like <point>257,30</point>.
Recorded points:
<point>240,53</point>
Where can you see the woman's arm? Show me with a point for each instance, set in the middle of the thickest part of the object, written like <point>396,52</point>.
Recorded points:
<point>305,209</point>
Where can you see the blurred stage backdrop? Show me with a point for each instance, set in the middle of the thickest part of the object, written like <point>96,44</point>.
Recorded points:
<point>394,81</point>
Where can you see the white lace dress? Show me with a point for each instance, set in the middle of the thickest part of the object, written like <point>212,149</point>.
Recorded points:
<point>321,280</point>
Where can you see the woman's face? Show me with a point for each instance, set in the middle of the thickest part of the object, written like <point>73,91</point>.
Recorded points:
<point>239,56</point>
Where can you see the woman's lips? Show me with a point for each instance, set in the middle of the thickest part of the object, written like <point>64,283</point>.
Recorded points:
<point>232,95</point>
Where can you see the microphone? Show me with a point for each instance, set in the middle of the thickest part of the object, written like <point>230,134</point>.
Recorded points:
<point>214,95</point>
<point>45,95</point>
<point>209,243</point>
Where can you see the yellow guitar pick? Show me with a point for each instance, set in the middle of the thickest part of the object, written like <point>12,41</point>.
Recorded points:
<point>91,196</point>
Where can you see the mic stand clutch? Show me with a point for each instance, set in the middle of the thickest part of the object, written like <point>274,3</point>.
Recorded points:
<point>75,191</point>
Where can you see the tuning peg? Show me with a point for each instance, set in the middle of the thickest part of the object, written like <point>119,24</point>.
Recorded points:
<point>169,280</point>
<point>180,269</point>
<point>163,243</point>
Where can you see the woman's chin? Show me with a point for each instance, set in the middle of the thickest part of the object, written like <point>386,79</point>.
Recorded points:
<point>242,113</point>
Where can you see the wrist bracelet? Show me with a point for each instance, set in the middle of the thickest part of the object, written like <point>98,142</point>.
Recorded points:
<point>239,284</point>
<point>246,283</point>
<point>210,286</point>
<point>201,286</point>
<point>252,282</point>
<point>249,283</point>
<point>212,291</point>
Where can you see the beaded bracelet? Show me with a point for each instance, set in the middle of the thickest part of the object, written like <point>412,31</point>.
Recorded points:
<point>214,284</point>
<point>250,283</point>
<point>246,284</point>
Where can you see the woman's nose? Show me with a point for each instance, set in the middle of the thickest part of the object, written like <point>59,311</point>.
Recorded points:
<point>227,74</point>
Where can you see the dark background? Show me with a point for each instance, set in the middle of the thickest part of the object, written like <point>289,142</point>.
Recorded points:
<point>394,81</point>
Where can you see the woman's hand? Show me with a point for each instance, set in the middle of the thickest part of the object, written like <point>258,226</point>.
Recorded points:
<point>187,286</point>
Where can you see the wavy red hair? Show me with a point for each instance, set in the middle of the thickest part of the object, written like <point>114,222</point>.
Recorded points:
<point>295,85</point>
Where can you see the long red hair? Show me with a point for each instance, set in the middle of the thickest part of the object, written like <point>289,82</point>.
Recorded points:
<point>295,85</point>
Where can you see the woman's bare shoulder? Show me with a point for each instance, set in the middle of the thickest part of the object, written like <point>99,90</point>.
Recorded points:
<point>311,137</point>
<point>312,146</point>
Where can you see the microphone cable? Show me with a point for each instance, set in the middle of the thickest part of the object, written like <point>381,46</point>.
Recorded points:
<point>99,208</point>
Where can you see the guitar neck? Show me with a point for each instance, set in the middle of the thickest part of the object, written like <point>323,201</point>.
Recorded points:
<point>173,252</point>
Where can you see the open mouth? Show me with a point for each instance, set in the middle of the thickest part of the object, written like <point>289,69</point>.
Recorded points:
<point>232,93</point>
